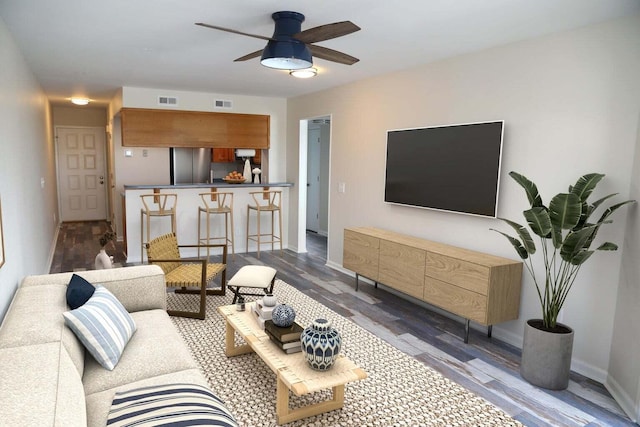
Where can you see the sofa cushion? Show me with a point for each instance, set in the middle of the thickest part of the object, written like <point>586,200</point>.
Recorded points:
<point>35,317</point>
<point>155,349</point>
<point>78,292</point>
<point>169,404</point>
<point>39,386</point>
<point>103,326</point>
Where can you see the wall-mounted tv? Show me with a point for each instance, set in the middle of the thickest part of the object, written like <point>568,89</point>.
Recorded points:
<point>452,168</point>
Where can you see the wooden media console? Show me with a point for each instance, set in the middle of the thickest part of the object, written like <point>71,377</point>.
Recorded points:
<point>474,285</point>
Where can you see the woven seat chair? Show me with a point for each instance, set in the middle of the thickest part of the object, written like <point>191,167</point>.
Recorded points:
<point>186,273</point>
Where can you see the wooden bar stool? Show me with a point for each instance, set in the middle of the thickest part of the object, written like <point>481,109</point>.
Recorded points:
<point>156,205</point>
<point>265,201</point>
<point>216,203</point>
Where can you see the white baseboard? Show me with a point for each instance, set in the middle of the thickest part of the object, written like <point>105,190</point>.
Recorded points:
<point>628,404</point>
<point>52,249</point>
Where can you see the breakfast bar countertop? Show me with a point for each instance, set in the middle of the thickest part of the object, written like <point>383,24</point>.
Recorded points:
<point>217,183</point>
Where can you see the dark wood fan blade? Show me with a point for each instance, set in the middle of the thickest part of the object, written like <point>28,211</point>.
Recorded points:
<point>332,55</point>
<point>251,55</point>
<point>326,32</point>
<point>229,30</point>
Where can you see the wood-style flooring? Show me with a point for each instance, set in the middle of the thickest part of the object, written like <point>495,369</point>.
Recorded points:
<point>486,366</point>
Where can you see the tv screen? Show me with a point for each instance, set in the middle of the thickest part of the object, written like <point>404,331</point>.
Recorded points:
<point>452,168</point>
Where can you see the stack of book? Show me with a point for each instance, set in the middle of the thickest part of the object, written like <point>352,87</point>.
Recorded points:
<point>288,339</point>
<point>262,312</point>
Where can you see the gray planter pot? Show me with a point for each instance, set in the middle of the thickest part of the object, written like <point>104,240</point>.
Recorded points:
<point>546,356</point>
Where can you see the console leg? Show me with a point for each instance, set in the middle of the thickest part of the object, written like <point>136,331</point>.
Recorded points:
<point>489,329</point>
<point>357,276</point>
<point>466,331</point>
<point>376,285</point>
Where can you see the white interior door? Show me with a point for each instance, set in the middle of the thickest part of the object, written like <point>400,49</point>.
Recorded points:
<point>313,180</point>
<point>81,173</point>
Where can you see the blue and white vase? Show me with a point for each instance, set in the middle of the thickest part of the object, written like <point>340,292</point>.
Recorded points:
<point>283,315</point>
<point>320,344</point>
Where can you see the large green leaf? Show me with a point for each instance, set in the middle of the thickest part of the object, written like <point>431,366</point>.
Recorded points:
<point>524,235</point>
<point>611,209</point>
<point>584,216</point>
<point>565,210</point>
<point>608,246</point>
<point>539,221</point>
<point>574,243</point>
<point>585,185</point>
<point>581,257</point>
<point>529,187</point>
<point>598,202</point>
<point>517,245</point>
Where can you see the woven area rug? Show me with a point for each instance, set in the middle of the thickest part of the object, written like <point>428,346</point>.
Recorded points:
<point>400,391</point>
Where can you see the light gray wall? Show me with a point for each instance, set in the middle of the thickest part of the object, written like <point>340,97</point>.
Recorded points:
<point>624,365</point>
<point>570,102</point>
<point>29,217</point>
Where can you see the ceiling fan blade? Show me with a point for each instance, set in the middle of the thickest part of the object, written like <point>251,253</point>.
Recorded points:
<point>251,55</point>
<point>326,32</point>
<point>332,55</point>
<point>229,30</point>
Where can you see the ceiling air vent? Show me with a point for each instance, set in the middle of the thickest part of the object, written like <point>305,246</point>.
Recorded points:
<point>167,100</point>
<point>221,103</point>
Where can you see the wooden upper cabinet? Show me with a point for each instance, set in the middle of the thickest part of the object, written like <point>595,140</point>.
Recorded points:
<point>172,128</point>
<point>223,155</point>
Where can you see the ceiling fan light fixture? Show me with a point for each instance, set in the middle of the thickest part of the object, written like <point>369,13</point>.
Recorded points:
<point>304,73</point>
<point>80,101</point>
<point>286,55</point>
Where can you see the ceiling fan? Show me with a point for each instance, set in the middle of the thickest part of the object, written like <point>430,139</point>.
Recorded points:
<point>290,48</point>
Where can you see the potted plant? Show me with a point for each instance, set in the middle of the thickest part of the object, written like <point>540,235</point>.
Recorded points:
<point>566,234</point>
<point>103,260</point>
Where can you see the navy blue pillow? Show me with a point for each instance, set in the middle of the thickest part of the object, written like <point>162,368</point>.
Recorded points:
<point>78,292</point>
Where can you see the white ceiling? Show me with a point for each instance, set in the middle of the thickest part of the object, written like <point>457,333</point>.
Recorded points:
<point>92,47</point>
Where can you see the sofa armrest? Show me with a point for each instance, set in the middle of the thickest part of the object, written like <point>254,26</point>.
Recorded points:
<point>137,288</point>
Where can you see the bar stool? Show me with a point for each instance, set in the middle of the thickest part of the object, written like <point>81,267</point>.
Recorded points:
<point>268,202</point>
<point>216,203</point>
<point>156,205</point>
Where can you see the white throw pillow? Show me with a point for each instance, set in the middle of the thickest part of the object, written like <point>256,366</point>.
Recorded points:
<point>103,325</point>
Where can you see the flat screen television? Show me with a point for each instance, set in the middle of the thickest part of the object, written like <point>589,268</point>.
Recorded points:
<point>452,168</point>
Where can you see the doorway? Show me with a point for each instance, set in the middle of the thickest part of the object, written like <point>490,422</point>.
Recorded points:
<point>81,173</point>
<point>314,170</point>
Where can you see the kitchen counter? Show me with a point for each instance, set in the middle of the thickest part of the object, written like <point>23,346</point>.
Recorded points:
<point>216,184</point>
<point>189,201</point>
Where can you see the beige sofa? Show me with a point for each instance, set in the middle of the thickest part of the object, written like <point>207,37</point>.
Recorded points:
<point>47,377</point>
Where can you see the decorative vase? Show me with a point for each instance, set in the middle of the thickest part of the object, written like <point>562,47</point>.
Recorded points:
<point>103,261</point>
<point>269,300</point>
<point>246,173</point>
<point>546,356</point>
<point>283,315</point>
<point>320,344</point>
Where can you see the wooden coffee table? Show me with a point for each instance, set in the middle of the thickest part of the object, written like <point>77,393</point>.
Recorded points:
<point>292,370</point>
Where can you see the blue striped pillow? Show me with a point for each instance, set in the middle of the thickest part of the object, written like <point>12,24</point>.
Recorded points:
<point>103,325</point>
<point>169,404</point>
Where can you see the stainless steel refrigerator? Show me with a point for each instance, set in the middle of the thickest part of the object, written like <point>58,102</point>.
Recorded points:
<point>190,165</point>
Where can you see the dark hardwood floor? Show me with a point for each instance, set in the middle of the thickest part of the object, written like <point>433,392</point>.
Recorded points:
<point>486,366</point>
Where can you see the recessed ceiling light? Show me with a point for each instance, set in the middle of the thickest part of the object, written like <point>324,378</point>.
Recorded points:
<point>80,101</point>
<point>305,73</point>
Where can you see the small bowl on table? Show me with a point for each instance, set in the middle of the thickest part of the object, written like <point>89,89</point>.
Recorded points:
<point>234,181</point>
